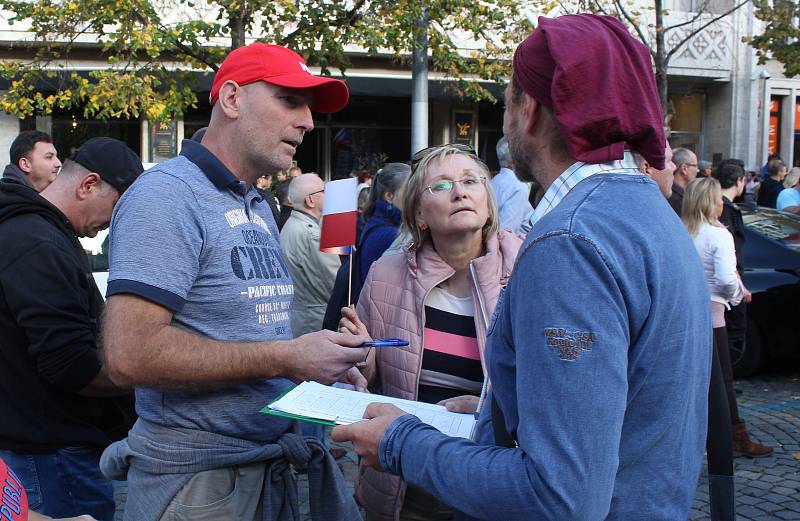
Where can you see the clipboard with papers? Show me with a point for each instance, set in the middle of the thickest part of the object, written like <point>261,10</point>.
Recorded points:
<point>314,402</point>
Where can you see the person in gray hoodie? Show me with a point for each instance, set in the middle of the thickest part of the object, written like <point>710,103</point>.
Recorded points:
<point>34,160</point>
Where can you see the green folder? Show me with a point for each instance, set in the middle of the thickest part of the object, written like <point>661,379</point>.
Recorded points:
<point>267,410</point>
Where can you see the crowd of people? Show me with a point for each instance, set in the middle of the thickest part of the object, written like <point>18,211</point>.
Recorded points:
<point>590,343</point>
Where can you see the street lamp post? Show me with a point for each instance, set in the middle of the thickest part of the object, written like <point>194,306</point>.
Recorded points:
<point>419,80</point>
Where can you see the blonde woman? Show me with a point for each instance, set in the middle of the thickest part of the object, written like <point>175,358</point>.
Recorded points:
<point>716,248</point>
<point>438,294</point>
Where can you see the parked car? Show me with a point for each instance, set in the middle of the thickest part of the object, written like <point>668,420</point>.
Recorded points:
<point>772,274</point>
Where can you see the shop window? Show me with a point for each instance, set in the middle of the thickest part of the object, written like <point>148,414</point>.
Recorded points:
<point>490,130</point>
<point>309,154</point>
<point>71,130</point>
<point>687,141</point>
<point>354,148</point>
<point>197,117</point>
<point>688,113</point>
<point>686,125</point>
<point>381,112</point>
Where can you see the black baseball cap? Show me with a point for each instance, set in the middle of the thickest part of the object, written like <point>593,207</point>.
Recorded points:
<point>112,160</point>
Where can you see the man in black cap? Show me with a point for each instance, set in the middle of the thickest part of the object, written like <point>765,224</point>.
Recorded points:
<point>61,409</point>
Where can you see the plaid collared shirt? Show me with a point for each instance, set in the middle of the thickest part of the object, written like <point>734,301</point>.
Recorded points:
<point>576,173</point>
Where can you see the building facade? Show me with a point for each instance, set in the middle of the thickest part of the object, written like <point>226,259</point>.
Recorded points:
<point>723,105</point>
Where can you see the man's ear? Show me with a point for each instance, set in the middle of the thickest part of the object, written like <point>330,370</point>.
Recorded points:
<point>645,168</point>
<point>230,98</point>
<point>531,112</point>
<point>24,164</point>
<point>308,201</point>
<point>89,184</point>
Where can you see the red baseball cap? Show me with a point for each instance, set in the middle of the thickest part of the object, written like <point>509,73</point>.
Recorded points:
<point>279,66</point>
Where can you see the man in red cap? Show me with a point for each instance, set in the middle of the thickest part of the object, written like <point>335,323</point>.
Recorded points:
<point>198,314</point>
<point>598,353</point>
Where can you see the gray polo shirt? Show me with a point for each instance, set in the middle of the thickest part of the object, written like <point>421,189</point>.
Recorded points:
<point>190,236</point>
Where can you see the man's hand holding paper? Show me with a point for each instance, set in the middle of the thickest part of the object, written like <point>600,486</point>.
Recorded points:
<point>366,435</point>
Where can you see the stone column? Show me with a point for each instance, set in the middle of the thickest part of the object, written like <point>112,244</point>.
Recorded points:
<point>9,128</point>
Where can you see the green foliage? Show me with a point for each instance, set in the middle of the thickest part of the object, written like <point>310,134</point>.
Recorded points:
<point>153,57</point>
<point>781,36</point>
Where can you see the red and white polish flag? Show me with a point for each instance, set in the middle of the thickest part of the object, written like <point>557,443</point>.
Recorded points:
<point>339,216</point>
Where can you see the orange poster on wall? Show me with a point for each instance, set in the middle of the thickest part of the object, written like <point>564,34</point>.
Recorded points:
<point>797,114</point>
<point>774,137</point>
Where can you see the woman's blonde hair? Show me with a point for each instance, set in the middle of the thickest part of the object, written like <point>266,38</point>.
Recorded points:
<point>700,203</point>
<point>414,187</point>
<point>791,178</point>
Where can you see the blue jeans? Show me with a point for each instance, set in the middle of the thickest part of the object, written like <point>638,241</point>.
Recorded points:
<point>66,483</point>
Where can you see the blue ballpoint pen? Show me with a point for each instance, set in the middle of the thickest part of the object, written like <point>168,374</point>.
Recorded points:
<point>386,342</point>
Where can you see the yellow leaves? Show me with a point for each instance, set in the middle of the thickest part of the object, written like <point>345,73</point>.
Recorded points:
<point>155,112</point>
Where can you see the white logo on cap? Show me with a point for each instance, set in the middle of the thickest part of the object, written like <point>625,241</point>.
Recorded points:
<point>304,67</point>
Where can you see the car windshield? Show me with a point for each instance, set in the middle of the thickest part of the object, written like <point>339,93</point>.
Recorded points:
<point>780,226</point>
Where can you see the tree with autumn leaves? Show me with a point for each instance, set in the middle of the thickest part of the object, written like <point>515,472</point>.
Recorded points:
<point>781,36</point>
<point>154,49</point>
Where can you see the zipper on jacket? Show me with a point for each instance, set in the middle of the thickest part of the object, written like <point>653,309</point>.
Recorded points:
<point>485,385</point>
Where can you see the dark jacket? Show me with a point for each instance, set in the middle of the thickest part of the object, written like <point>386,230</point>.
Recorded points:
<point>676,199</point>
<point>732,219</point>
<point>768,192</point>
<point>13,172</point>
<point>50,309</point>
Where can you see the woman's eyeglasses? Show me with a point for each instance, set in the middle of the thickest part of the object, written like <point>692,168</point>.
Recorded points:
<point>425,152</point>
<point>468,183</point>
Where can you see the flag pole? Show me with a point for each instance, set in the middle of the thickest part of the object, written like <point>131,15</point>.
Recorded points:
<point>350,280</point>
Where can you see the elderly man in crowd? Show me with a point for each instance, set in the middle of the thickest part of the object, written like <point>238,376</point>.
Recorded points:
<point>313,271</point>
<point>199,312</point>
<point>602,320</point>
<point>686,170</point>
<point>510,192</point>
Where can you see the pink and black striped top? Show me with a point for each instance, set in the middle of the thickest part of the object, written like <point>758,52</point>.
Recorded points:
<point>451,362</point>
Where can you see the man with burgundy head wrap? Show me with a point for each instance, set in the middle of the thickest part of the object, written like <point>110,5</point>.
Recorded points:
<point>599,350</point>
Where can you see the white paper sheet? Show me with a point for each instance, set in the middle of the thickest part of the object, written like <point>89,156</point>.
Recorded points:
<point>342,406</point>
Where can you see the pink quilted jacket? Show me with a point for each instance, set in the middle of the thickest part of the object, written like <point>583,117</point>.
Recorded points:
<point>392,305</point>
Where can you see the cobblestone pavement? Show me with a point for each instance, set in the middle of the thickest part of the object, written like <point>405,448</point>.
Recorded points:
<point>767,488</point>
